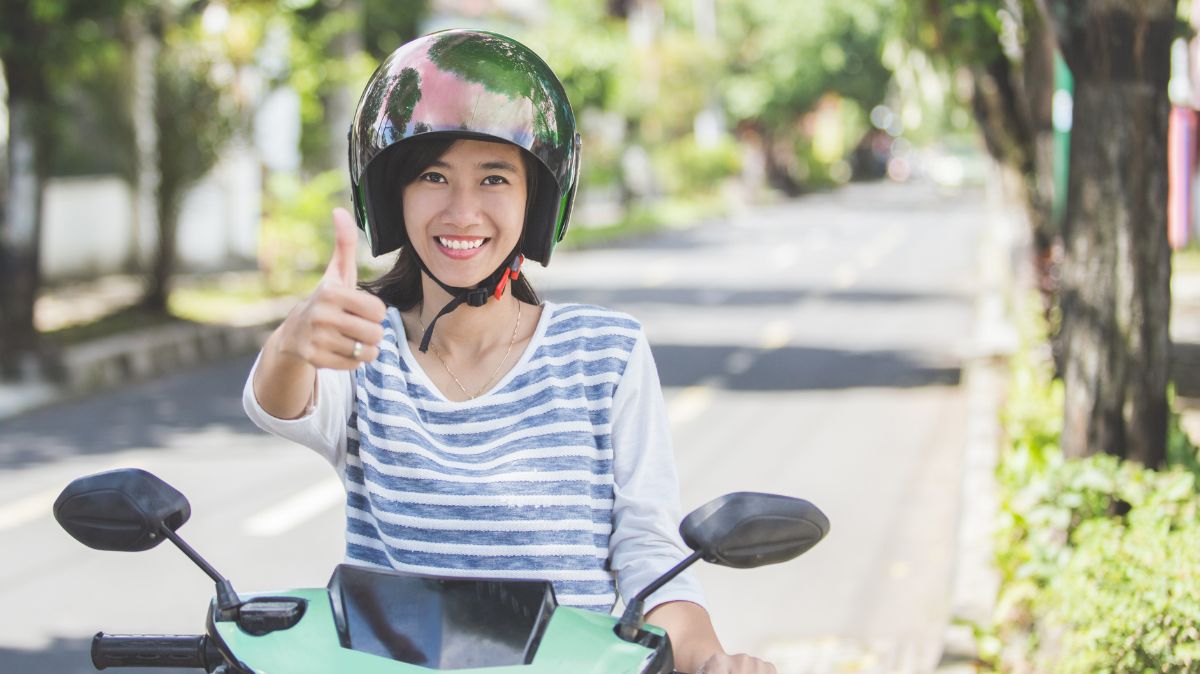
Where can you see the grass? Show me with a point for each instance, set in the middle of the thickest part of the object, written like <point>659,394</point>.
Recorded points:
<point>643,220</point>
<point>1186,261</point>
<point>121,320</point>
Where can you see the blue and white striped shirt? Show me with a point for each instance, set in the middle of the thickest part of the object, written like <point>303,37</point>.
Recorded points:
<point>563,471</point>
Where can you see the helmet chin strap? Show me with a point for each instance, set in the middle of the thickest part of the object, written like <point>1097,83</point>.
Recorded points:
<point>477,296</point>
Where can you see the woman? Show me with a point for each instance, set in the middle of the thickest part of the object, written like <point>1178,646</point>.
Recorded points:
<point>519,439</point>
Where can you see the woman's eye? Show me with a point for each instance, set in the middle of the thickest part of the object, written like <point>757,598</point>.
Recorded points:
<point>495,180</point>
<point>432,177</point>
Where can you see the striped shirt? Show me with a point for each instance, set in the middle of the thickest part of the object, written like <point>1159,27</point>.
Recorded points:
<point>563,471</point>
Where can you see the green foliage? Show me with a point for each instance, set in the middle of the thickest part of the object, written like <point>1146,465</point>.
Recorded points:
<point>687,168</point>
<point>1098,557</point>
<point>195,117</point>
<point>296,235</point>
<point>1128,598</point>
<point>780,63</point>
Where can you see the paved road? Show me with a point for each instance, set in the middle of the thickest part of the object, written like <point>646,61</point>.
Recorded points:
<point>812,348</point>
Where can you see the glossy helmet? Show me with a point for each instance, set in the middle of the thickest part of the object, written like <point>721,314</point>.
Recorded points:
<point>465,84</point>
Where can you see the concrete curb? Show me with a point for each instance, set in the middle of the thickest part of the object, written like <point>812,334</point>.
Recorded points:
<point>109,362</point>
<point>976,581</point>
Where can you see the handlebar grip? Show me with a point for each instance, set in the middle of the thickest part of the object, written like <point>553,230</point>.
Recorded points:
<point>190,651</point>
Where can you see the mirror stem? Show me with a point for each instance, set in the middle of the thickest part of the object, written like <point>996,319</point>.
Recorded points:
<point>227,598</point>
<point>632,619</point>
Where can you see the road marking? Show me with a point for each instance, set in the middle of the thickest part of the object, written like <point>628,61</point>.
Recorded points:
<point>775,335</point>
<point>657,276</point>
<point>844,276</point>
<point>689,403</point>
<point>28,509</point>
<point>41,504</point>
<point>296,510</point>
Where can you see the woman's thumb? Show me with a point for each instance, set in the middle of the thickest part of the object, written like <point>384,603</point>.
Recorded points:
<point>343,266</point>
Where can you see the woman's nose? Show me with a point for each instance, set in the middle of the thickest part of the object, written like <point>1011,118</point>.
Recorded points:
<point>463,208</point>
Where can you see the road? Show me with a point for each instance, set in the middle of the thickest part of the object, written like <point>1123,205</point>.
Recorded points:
<point>812,348</point>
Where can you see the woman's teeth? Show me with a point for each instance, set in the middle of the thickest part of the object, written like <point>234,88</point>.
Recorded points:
<point>461,244</point>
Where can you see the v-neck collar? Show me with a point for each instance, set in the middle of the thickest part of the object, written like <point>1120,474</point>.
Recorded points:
<point>419,372</point>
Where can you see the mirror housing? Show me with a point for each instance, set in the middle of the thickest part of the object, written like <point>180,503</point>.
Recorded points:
<point>747,529</point>
<point>741,530</point>
<point>124,510</point>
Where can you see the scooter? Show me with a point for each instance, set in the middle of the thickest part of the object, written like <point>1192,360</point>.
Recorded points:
<point>371,621</point>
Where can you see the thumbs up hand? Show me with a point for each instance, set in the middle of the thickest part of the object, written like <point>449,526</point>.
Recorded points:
<point>338,325</point>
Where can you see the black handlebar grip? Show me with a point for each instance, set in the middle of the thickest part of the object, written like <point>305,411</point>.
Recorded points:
<point>191,651</point>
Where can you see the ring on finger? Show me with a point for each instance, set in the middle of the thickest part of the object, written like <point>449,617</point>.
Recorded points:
<point>357,351</point>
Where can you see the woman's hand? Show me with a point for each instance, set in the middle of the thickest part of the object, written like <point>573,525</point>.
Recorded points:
<point>741,663</point>
<point>324,329</point>
<point>696,646</point>
<point>337,326</point>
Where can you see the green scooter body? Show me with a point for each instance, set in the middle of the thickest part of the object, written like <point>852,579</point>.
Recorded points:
<point>575,640</point>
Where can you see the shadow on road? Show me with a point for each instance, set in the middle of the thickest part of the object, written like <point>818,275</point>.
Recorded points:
<point>145,415</point>
<point>799,368</point>
<point>726,297</point>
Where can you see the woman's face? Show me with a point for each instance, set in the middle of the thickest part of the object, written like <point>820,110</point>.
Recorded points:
<point>464,213</point>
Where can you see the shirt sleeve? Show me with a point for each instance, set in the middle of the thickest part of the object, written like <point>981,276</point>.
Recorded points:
<point>322,428</point>
<point>645,541</point>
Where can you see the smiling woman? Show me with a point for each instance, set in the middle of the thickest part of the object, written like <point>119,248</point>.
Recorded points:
<point>523,439</point>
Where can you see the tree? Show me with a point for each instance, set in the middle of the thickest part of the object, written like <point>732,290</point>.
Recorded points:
<point>40,40</point>
<point>1007,50</point>
<point>778,65</point>
<point>1116,273</point>
<point>194,118</point>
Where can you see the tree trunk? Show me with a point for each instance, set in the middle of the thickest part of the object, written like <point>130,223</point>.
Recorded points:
<point>1116,272</point>
<point>20,230</point>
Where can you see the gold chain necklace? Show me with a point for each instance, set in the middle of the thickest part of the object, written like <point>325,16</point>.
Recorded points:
<point>492,376</point>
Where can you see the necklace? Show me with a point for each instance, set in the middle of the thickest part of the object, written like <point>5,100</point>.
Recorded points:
<point>471,396</point>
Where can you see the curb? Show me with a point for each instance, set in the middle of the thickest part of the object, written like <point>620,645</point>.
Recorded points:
<point>976,582</point>
<point>109,362</point>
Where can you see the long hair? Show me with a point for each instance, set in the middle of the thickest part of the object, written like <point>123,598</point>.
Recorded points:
<point>401,285</point>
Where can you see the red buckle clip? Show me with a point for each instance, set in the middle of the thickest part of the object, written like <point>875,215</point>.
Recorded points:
<point>511,273</point>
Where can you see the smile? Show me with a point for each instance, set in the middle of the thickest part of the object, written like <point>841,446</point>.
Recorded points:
<point>460,244</point>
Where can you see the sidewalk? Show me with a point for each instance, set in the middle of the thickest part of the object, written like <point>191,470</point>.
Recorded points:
<point>101,364</point>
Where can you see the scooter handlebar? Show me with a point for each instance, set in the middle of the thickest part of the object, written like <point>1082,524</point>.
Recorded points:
<point>190,651</point>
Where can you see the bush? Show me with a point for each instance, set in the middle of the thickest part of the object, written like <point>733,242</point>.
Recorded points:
<point>1099,558</point>
<point>687,169</point>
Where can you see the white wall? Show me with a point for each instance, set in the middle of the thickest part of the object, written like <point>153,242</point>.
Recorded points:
<point>87,227</point>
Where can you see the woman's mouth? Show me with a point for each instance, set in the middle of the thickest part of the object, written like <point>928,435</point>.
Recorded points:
<point>460,247</point>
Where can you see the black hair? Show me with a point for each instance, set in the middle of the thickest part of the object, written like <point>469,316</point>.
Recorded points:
<point>401,285</point>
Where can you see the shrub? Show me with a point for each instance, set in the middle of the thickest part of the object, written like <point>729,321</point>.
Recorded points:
<point>1099,558</point>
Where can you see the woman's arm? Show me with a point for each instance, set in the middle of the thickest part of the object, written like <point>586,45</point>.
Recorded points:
<point>695,642</point>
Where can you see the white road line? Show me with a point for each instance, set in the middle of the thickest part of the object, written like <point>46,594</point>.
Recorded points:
<point>775,335</point>
<point>844,276</point>
<point>28,509</point>
<point>689,403</point>
<point>657,276</point>
<point>295,510</point>
<point>41,504</point>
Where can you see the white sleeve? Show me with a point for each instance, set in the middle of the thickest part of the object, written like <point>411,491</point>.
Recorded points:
<point>323,426</point>
<point>645,541</point>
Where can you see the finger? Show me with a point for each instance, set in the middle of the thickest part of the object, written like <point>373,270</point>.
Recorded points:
<point>342,267</point>
<point>335,351</point>
<point>352,300</point>
<point>354,328</point>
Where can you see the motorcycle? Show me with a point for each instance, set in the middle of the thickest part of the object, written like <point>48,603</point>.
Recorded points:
<point>372,621</point>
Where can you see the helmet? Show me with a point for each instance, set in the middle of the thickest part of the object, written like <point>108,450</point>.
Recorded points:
<point>466,84</point>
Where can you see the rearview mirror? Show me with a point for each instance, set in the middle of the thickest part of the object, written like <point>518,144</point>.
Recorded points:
<point>746,529</point>
<point>124,510</point>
